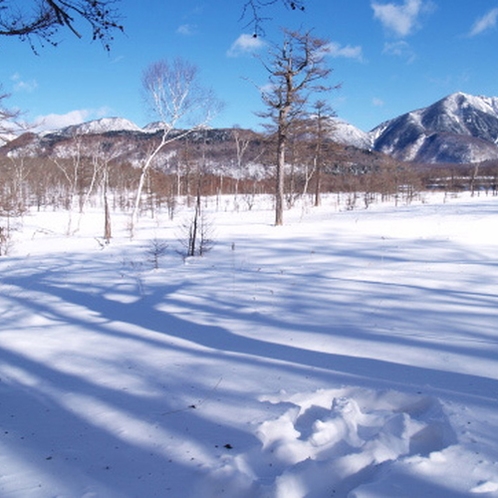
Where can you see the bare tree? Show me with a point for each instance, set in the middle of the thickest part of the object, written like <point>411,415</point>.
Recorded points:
<point>196,236</point>
<point>18,184</point>
<point>174,95</point>
<point>43,19</point>
<point>296,69</point>
<point>322,113</point>
<point>71,170</point>
<point>9,118</point>
<point>102,156</point>
<point>473,178</point>
<point>242,140</point>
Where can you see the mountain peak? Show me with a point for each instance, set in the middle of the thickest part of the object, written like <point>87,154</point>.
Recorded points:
<point>430,134</point>
<point>459,128</point>
<point>347,134</point>
<point>97,126</point>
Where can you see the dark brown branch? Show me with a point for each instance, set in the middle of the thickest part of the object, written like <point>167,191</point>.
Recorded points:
<point>252,11</point>
<point>45,18</point>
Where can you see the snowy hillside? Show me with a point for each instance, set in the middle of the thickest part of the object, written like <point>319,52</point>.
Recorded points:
<point>347,134</point>
<point>351,354</point>
<point>154,127</point>
<point>460,128</point>
<point>98,126</point>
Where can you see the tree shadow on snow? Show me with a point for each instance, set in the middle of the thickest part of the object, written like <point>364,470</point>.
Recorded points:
<point>87,304</point>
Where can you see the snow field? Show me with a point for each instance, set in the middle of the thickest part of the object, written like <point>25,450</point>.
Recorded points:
<point>347,354</point>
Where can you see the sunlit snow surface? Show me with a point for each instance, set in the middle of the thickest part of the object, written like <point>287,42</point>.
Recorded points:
<point>345,354</point>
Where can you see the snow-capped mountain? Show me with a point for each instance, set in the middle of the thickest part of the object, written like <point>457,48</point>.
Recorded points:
<point>347,134</point>
<point>95,127</point>
<point>460,128</point>
<point>154,127</point>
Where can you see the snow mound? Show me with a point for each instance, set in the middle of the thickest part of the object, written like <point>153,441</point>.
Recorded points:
<point>346,435</point>
<point>352,443</point>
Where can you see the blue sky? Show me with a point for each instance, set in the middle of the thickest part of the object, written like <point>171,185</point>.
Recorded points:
<point>390,56</point>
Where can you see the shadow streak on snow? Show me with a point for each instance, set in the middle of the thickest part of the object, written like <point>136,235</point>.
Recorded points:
<point>48,293</point>
<point>143,313</point>
<point>415,302</point>
<point>58,445</point>
<point>35,419</point>
<point>36,413</point>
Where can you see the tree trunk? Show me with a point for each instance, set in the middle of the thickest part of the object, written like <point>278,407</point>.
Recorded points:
<point>107,212</point>
<point>279,190</point>
<point>107,222</point>
<point>318,168</point>
<point>143,175</point>
<point>318,188</point>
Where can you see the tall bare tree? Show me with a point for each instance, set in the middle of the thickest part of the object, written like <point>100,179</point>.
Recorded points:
<point>43,19</point>
<point>101,156</point>
<point>175,96</point>
<point>297,70</point>
<point>321,126</point>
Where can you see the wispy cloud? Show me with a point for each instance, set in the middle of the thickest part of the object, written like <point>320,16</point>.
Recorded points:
<point>58,121</point>
<point>400,49</point>
<point>187,29</point>
<point>376,102</point>
<point>485,23</point>
<point>401,19</point>
<point>118,59</point>
<point>337,50</point>
<point>245,44</point>
<point>22,85</point>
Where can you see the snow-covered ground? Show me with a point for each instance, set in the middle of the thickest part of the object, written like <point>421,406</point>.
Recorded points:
<point>346,354</point>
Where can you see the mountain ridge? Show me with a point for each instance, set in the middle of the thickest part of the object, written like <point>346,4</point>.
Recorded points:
<point>459,128</point>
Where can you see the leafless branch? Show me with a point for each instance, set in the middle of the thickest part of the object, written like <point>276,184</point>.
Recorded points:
<point>41,20</point>
<point>253,10</point>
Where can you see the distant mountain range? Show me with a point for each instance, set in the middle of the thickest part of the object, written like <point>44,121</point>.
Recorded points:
<point>458,129</point>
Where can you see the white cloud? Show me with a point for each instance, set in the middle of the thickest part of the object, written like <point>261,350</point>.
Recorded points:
<point>21,85</point>
<point>118,59</point>
<point>58,121</point>
<point>245,44</point>
<point>484,23</point>
<point>401,19</point>
<point>378,102</point>
<point>186,29</point>
<point>400,49</point>
<point>336,50</point>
